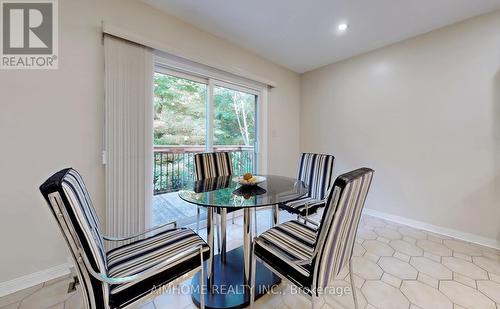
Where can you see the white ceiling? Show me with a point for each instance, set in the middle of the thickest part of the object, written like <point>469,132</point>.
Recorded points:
<point>301,34</point>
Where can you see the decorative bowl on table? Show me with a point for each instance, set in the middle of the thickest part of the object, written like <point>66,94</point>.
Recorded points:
<point>249,191</point>
<point>249,179</point>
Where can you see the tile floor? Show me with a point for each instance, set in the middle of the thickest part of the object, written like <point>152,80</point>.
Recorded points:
<point>394,266</point>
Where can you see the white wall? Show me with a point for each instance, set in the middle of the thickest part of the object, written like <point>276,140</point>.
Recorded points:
<point>53,119</point>
<point>425,114</point>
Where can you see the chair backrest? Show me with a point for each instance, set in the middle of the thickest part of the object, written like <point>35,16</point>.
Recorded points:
<point>212,164</point>
<point>316,171</point>
<point>212,184</point>
<point>70,203</point>
<point>337,230</point>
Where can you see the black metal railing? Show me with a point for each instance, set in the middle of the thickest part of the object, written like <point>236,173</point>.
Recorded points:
<point>173,166</point>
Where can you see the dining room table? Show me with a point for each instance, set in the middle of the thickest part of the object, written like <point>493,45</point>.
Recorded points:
<point>228,273</point>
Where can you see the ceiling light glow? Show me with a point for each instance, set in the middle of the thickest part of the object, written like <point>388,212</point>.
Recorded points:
<point>343,27</point>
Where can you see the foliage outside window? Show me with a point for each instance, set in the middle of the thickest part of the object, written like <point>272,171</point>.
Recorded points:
<point>180,120</point>
<point>180,110</point>
<point>180,107</point>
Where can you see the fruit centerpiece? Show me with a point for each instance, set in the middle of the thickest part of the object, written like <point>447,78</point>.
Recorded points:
<point>248,179</point>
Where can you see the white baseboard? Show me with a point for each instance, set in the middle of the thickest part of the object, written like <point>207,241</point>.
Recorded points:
<point>473,238</point>
<point>33,279</point>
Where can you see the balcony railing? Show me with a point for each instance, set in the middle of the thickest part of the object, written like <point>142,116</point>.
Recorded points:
<point>173,166</point>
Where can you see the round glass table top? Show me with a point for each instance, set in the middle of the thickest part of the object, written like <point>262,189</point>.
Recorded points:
<point>224,192</point>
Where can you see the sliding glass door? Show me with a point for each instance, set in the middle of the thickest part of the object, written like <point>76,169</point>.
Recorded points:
<point>234,116</point>
<point>193,114</point>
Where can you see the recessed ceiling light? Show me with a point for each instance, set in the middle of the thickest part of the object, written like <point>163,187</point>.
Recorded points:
<point>343,27</point>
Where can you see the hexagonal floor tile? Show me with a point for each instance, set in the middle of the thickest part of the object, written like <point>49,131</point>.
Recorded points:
<point>149,305</point>
<point>174,299</point>
<point>494,277</point>
<point>433,257</point>
<point>366,268</point>
<point>465,296</point>
<point>387,233</point>
<point>425,296</point>
<point>358,250</point>
<point>406,247</point>
<point>462,247</point>
<point>19,295</point>
<point>409,231</point>
<point>490,289</point>
<point>75,301</point>
<point>384,296</point>
<point>378,248</point>
<point>409,239</point>
<point>12,306</point>
<point>434,247</point>
<point>403,257</point>
<point>343,300</point>
<point>291,298</point>
<point>462,256</point>
<point>464,280</point>
<point>366,234</point>
<point>491,255</point>
<point>397,268</point>
<point>465,268</point>
<point>490,265</point>
<point>434,238</point>
<point>383,239</point>
<point>431,268</point>
<point>390,279</point>
<point>393,225</point>
<point>375,222</point>
<point>48,296</point>
<point>426,279</point>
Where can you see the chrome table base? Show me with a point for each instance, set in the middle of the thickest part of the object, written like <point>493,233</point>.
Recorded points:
<point>228,287</point>
<point>228,273</point>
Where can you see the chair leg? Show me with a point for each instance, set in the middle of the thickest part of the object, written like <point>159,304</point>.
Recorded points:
<point>353,287</point>
<point>198,219</point>
<point>252,278</point>
<point>223,243</point>
<point>255,221</point>
<point>217,227</point>
<point>315,303</point>
<point>202,281</point>
<point>305,216</point>
<point>275,214</point>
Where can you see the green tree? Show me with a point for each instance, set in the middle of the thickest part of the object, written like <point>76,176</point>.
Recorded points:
<point>234,117</point>
<point>180,109</point>
<point>179,106</point>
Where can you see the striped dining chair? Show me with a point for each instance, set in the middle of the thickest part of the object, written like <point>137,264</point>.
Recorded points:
<point>210,165</point>
<point>316,171</point>
<point>309,257</point>
<point>135,271</point>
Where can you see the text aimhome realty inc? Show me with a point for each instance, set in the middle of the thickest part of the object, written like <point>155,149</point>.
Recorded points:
<point>224,289</point>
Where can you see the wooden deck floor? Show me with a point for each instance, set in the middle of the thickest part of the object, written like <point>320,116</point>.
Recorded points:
<point>169,207</point>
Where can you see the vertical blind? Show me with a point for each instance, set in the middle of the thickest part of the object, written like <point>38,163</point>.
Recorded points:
<point>128,135</point>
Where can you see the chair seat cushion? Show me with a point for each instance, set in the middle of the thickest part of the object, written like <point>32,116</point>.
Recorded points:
<point>299,206</point>
<point>284,245</point>
<point>143,254</point>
